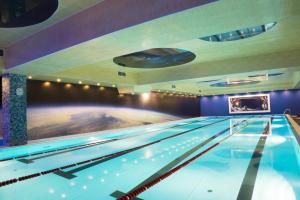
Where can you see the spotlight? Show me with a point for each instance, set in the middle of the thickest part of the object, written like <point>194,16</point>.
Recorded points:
<point>29,77</point>
<point>98,84</point>
<point>46,84</point>
<point>80,82</point>
<point>68,85</point>
<point>113,85</point>
<point>58,80</point>
<point>86,87</point>
<point>145,97</point>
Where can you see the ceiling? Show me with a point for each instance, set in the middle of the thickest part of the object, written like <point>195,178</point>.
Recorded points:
<point>66,9</point>
<point>275,51</point>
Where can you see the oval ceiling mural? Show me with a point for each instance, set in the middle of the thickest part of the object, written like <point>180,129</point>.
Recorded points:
<point>155,58</point>
<point>20,13</point>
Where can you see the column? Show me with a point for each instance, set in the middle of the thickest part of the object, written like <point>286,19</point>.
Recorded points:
<point>14,120</point>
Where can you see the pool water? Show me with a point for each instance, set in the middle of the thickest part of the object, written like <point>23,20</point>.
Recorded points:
<point>210,158</point>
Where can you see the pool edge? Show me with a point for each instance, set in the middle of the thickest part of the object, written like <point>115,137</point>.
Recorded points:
<point>295,127</point>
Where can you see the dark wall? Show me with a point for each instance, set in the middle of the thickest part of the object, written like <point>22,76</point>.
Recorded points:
<point>280,100</point>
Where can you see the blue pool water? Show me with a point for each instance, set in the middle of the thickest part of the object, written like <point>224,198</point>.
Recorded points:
<point>243,157</point>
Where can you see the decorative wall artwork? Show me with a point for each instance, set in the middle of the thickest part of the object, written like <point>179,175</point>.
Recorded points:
<point>61,109</point>
<point>258,103</point>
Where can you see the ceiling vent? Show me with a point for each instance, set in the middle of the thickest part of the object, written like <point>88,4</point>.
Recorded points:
<point>122,74</point>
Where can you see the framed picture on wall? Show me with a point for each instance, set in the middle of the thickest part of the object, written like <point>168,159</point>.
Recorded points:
<point>258,103</point>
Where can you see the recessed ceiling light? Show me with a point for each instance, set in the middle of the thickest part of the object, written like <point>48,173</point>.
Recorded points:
<point>80,82</point>
<point>58,80</point>
<point>29,77</point>
<point>98,84</point>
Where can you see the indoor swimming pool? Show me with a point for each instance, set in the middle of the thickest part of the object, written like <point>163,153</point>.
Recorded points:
<point>210,158</point>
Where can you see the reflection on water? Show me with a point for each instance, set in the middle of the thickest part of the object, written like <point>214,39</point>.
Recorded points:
<point>272,185</point>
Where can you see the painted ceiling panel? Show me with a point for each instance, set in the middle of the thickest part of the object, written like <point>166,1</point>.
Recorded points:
<point>276,51</point>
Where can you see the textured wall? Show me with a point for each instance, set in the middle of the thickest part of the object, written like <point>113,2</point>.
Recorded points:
<point>280,100</point>
<point>14,121</point>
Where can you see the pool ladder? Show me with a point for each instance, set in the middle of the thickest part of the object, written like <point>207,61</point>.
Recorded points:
<point>287,111</point>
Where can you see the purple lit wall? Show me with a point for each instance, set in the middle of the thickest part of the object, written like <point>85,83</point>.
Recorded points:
<point>280,100</point>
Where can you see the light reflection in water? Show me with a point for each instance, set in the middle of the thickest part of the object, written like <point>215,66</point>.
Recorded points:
<point>272,185</point>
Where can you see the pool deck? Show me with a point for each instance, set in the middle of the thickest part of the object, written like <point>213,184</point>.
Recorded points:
<point>295,127</point>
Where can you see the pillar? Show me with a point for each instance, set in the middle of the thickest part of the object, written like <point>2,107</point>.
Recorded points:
<point>14,120</point>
